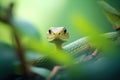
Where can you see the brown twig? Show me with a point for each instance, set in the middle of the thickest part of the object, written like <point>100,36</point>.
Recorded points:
<point>20,52</point>
<point>25,68</point>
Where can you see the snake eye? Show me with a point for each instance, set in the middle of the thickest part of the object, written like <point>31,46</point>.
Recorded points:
<point>65,30</point>
<point>49,31</point>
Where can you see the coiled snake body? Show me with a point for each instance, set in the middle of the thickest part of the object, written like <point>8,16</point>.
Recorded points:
<point>80,49</point>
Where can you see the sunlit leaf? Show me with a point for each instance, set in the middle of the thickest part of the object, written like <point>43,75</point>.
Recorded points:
<point>5,33</point>
<point>84,26</point>
<point>57,55</point>
<point>89,29</point>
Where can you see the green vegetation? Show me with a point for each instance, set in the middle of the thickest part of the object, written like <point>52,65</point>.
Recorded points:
<point>23,43</point>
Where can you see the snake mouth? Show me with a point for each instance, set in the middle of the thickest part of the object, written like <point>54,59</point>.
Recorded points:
<point>50,39</point>
<point>63,39</point>
<point>58,39</point>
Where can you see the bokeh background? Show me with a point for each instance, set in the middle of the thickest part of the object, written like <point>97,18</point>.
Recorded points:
<point>46,13</point>
<point>31,20</point>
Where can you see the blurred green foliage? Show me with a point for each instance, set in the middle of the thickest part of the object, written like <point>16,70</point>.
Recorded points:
<point>31,20</point>
<point>7,59</point>
<point>5,33</point>
<point>44,14</point>
<point>112,12</point>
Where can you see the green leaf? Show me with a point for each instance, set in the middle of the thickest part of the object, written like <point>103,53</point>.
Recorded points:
<point>114,3</point>
<point>112,12</point>
<point>56,55</point>
<point>26,29</point>
<point>109,8</point>
<point>5,33</point>
<point>32,56</point>
<point>40,71</point>
<point>7,60</point>
<point>89,29</point>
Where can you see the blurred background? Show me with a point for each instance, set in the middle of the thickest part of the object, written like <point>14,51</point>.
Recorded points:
<point>46,13</point>
<point>32,19</point>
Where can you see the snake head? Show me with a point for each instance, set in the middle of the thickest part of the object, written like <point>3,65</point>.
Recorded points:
<point>57,34</point>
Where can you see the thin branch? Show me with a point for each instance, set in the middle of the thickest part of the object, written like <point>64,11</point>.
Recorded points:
<point>24,66</point>
<point>20,52</point>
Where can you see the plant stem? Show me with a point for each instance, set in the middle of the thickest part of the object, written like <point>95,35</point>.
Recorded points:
<point>26,71</point>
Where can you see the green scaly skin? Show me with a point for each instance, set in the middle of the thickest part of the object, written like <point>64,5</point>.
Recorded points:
<point>76,49</point>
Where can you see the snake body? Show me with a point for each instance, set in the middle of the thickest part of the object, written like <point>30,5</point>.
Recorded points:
<point>76,49</point>
<point>82,44</point>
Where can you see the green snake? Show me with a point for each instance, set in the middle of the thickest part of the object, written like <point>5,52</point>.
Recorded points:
<point>79,49</point>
